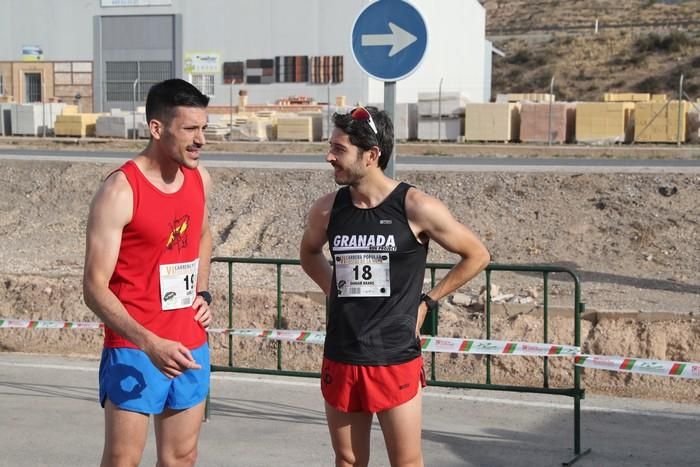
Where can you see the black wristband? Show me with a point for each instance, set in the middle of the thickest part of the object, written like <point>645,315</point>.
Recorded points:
<point>432,304</point>
<point>206,296</point>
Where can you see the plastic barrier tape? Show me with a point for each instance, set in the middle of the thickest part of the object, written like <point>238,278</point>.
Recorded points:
<point>438,344</point>
<point>42,324</point>
<point>491,347</point>
<point>639,365</point>
<point>310,337</point>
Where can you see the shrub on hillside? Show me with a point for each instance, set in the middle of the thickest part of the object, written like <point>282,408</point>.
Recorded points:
<point>651,84</point>
<point>672,42</point>
<point>525,57</point>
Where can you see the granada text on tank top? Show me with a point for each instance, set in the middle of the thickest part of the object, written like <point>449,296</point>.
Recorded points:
<point>378,271</point>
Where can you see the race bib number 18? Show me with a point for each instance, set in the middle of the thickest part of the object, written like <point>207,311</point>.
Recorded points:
<point>178,284</point>
<point>363,275</point>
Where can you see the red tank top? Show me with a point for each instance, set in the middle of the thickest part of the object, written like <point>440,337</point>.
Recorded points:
<point>158,254</point>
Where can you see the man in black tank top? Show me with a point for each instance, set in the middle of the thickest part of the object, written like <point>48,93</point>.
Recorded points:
<point>377,230</point>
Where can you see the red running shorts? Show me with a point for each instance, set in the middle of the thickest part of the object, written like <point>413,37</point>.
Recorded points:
<point>364,388</point>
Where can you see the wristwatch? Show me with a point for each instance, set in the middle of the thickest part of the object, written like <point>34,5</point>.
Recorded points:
<point>206,296</point>
<point>432,304</point>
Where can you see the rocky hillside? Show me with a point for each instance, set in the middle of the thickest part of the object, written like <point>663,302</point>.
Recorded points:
<point>509,16</point>
<point>640,46</point>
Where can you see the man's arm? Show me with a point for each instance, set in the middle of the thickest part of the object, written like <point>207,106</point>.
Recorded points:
<point>313,261</point>
<point>110,210</point>
<point>429,217</point>
<point>203,312</point>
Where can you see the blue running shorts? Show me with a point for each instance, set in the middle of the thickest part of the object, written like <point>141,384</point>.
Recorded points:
<point>131,381</point>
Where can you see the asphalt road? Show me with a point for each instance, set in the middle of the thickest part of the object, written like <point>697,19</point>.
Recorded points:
<point>51,417</point>
<point>417,163</point>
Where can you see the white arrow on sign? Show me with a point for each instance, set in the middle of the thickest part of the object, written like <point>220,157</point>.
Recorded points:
<point>399,39</point>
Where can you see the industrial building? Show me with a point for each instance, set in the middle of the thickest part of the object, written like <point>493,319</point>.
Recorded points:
<point>105,54</point>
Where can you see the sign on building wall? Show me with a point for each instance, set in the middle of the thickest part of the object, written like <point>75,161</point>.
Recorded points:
<point>202,62</point>
<point>32,53</point>
<point>111,3</point>
<point>285,69</point>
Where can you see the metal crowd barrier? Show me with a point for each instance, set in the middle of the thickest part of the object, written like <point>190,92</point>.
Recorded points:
<point>430,327</point>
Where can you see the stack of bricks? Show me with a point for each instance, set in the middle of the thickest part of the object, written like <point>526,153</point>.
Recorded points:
<point>80,125</point>
<point>497,121</point>
<point>604,121</point>
<point>658,122</point>
<point>535,122</point>
<point>294,128</point>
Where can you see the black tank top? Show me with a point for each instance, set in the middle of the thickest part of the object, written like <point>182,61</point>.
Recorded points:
<point>378,271</point>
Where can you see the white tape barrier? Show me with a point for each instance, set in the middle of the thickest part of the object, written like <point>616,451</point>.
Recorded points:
<point>639,365</point>
<point>438,344</point>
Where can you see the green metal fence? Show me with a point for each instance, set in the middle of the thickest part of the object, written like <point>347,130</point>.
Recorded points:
<point>430,327</point>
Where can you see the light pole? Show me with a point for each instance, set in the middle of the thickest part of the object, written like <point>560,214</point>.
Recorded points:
<point>549,124</point>
<point>680,110</point>
<point>440,112</point>
<point>133,107</point>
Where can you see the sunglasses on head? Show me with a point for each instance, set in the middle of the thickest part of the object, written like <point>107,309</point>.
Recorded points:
<point>361,114</point>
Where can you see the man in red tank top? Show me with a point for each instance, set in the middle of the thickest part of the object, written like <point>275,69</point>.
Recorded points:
<point>148,250</point>
<point>378,230</point>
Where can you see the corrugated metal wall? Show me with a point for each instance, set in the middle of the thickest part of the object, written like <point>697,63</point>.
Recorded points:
<point>136,52</point>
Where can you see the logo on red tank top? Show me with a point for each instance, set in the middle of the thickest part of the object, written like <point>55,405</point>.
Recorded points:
<point>178,233</point>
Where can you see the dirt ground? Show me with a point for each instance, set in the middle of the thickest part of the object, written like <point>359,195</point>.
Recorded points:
<point>631,238</point>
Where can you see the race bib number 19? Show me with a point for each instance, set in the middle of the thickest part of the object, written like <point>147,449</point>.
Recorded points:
<point>178,284</point>
<point>363,275</point>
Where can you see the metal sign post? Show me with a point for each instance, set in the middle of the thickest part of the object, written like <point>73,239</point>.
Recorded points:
<point>389,40</point>
<point>390,109</point>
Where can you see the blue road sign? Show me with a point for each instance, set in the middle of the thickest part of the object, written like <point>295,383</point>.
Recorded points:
<point>389,39</point>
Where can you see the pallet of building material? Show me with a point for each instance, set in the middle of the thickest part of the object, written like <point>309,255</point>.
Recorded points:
<point>327,118</point>
<point>604,122</point>
<point>316,123</point>
<point>526,97</point>
<point>119,124</point>
<point>251,129</point>
<point>492,121</point>
<point>134,121</point>
<point>293,128</point>
<point>69,109</point>
<point>693,122</point>
<point>536,125</point>
<point>111,126</point>
<point>6,119</point>
<point>626,97</point>
<point>433,104</point>
<point>35,119</point>
<point>79,125</point>
<point>143,131</point>
<point>266,124</point>
<point>658,122</point>
<point>270,114</point>
<point>217,131</point>
<point>405,120</point>
<point>443,129</point>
